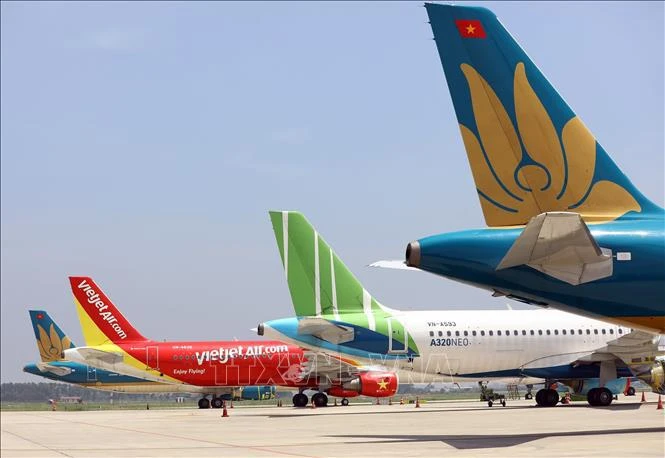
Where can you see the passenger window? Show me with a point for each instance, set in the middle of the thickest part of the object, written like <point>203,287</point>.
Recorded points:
<point>588,331</point>
<point>440,333</point>
<point>466,333</point>
<point>603,331</point>
<point>540,332</point>
<point>473,333</point>
<point>523,332</point>
<point>620,331</point>
<point>563,331</point>
<point>431,333</point>
<point>579,331</point>
<point>498,333</point>
<point>595,331</point>
<point>457,333</point>
<point>175,357</point>
<point>548,332</point>
<point>491,333</point>
<point>187,357</point>
<point>450,333</point>
<point>482,333</point>
<point>556,332</point>
<point>181,357</point>
<point>611,331</point>
<point>507,333</point>
<point>572,332</point>
<point>515,332</point>
<point>532,333</point>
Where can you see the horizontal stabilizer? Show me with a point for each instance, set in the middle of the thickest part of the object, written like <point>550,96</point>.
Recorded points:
<point>325,330</point>
<point>92,354</point>
<point>394,264</point>
<point>560,245</point>
<point>60,371</point>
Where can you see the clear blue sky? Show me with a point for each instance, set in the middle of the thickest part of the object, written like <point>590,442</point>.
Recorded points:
<point>143,144</point>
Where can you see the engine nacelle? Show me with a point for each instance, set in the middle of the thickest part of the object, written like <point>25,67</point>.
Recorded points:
<point>655,378</point>
<point>372,384</point>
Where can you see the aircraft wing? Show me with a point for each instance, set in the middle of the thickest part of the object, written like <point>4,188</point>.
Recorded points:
<point>634,349</point>
<point>560,245</point>
<point>393,264</point>
<point>325,330</point>
<point>327,367</point>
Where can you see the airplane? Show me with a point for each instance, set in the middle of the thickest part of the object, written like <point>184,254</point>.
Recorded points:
<point>567,229</point>
<point>52,341</point>
<point>336,314</point>
<point>113,344</point>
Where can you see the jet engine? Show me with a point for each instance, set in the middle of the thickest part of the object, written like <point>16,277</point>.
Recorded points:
<point>372,384</point>
<point>655,377</point>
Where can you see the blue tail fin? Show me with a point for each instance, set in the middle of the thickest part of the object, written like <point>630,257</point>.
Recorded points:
<point>529,153</point>
<point>51,341</point>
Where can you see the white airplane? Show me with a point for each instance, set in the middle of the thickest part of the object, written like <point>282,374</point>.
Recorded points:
<point>338,317</point>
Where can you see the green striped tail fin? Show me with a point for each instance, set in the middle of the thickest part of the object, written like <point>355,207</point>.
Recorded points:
<point>319,282</point>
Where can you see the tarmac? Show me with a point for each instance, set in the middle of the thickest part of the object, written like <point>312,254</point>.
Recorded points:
<point>467,428</point>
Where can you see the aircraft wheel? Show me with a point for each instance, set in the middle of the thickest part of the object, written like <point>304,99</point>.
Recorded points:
<point>503,403</point>
<point>204,403</point>
<point>528,396</point>
<point>630,392</point>
<point>490,403</point>
<point>592,397</point>
<point>551,398</point>
<point>300,400</point>
<point>345,402</point>
<point>217,403</point>
<point>320,399</point>
<point>540,395</point>
<point>604,397</point>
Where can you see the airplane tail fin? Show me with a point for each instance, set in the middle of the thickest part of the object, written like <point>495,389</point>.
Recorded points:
<point>529,153</point>
<point>101,321</point>
<point>319,282</point>
<point>51,341</point>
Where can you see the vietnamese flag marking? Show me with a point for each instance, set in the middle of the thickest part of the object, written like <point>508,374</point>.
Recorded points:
<point>471,28</point>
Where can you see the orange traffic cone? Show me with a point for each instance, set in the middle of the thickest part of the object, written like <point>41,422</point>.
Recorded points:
<point>224,412</point>
<point>417,402</point>
<point>644,399</point>
<point>660,403</point>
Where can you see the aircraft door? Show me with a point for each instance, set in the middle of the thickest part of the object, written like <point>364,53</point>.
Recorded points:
<point>92,374</point>
<point>398,337</point>
<point>152,357</point>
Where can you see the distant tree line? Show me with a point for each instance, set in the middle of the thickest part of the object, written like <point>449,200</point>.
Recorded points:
<point>42,392</point>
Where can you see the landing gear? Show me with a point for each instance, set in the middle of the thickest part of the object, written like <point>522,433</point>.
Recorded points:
<point>204,403</point>
<point>528,394</point>
<point>320,399</point>
<point>547,398</point>
<point>630,391</point>
<point>599,397</point>
<point>217,403</point>
<point>345,402</point>
<point>300,400</point>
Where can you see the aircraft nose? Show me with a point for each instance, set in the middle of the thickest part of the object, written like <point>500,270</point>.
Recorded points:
<point>413,254</point>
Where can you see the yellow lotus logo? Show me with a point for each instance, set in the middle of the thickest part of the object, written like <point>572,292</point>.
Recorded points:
<point>50,345</point>
<point>556,172</point>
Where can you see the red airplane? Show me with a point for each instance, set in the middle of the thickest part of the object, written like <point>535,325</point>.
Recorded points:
<point>112,343</point>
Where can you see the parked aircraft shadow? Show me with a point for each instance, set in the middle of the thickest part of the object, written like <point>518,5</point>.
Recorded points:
<point>479,441</point>
<point>298,412</point>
